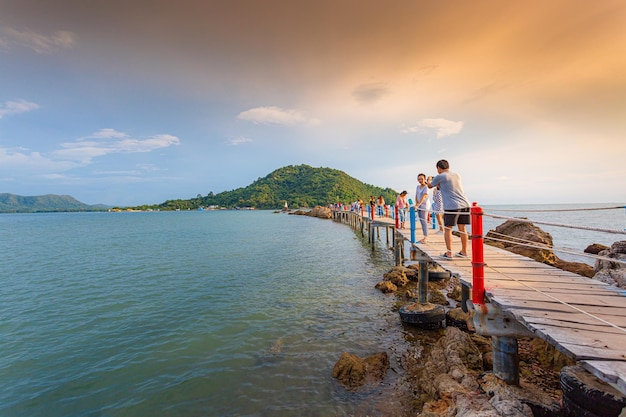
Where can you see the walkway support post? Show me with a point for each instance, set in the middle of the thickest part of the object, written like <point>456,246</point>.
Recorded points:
<point>395,210</point>
<point>478,258</point>
<point>505,359</point>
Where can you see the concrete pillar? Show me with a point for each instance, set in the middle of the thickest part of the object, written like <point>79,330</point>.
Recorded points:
<point>505,359</point>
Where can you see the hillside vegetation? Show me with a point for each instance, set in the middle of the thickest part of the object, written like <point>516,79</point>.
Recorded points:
<point>299,186</point>
<point>12,203</point>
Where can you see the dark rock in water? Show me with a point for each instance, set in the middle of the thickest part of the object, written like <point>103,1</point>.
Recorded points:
<point>613,273</point>
<point>595,248</point>
<point>518,238</point>
<point>354,372</point>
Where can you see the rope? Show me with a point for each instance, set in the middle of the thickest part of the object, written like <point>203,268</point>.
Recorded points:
<point>594,229</point>
<point>536,245</point>
<point>557,210</point>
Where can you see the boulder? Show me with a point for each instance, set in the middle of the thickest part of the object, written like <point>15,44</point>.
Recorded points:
<point>353,371</point>
<point>613,273</point>
<point>321,212</point>
<point>524,233</point>
<point>595,248</point>
<point>520,234</point>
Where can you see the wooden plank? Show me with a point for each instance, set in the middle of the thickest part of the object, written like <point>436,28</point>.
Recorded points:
<point>524,294</point>
<point>571,320</point>
<point>579,353</point>
<point>613,372</point>
<point>507,305</point>
<point>581,343</point>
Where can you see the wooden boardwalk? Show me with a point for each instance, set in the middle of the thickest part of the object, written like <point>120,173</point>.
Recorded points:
<point>583,318</point>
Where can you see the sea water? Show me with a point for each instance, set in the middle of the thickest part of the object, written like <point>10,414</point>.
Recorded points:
<point>214,313</point>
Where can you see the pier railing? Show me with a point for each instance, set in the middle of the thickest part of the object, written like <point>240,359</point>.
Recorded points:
<point>514,296</point>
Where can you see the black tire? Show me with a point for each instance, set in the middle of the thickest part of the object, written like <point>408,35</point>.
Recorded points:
<point>428,319</point>
<point>571,409</point>
<point>438,275</point>
<point>589,393</point>
<point>460,324</point>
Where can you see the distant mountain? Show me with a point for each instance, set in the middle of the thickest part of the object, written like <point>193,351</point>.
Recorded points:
<point>299,186</point>
<point>11,203</point>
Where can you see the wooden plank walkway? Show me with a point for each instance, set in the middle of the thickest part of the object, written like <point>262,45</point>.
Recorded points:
<point>583,318</point>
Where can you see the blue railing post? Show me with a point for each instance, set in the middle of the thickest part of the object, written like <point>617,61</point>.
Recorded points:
<point>412,219</point>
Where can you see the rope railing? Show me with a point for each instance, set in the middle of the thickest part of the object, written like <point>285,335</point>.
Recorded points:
<point>557,210</point>
<point>537,245</point>
<point>570,226</point>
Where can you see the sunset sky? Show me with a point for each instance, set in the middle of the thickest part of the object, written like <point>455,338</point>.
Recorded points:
<point>136,102</point>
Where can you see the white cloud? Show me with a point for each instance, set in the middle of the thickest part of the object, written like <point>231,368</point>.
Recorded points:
<point>443,127</point>
<point>276,115</point>
<point>33,162</point>
<point>40,43</point>
<point>238,141</point>
<point>108,141</point>
<point>16,107</point>
<point>108,133</point>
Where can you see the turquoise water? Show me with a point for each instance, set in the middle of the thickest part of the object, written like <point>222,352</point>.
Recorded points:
<point>229,313</point>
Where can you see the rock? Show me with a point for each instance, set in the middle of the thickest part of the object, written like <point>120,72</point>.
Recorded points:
<point>456,293</point>
<point>412,273</point>
<point>523,232</point>
<point>435,296</point>
<point>386,287</point>
<point>595,248</point>
<point>354,372</point>
<point>579,268</point>
<point>528,233</point>
<point>397,276</point>
<point>613,273</point>
<point>321,212</point>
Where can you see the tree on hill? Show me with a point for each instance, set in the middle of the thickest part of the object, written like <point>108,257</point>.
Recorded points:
<point>298,185</point>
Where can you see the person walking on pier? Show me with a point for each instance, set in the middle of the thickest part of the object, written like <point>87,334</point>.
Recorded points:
<point>380,205</point>
<point>422,204</point>
<point>402,203</point>
<point>456,206</point>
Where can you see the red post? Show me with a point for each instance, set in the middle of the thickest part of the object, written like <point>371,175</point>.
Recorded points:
<point>478,259</point>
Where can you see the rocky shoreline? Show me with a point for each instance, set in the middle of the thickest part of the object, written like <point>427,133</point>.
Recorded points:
<point>452,375</point>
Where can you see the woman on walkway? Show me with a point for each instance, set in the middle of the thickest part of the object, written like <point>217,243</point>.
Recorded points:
<point>437,205</point>
<point>402,203</point>
<point>422,204</point>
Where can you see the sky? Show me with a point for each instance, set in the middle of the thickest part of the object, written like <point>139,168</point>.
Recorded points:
<point>137,102</point>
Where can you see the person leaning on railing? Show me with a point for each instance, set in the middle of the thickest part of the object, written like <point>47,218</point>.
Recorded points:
<point>456,206</point>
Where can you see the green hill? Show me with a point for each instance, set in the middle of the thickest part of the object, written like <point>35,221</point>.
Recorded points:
<point>12,203</point>
<point>299,186</point>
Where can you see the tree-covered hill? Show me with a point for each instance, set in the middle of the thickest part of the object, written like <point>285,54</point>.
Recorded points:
<point>299,186</point>
<point>12,203</point>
